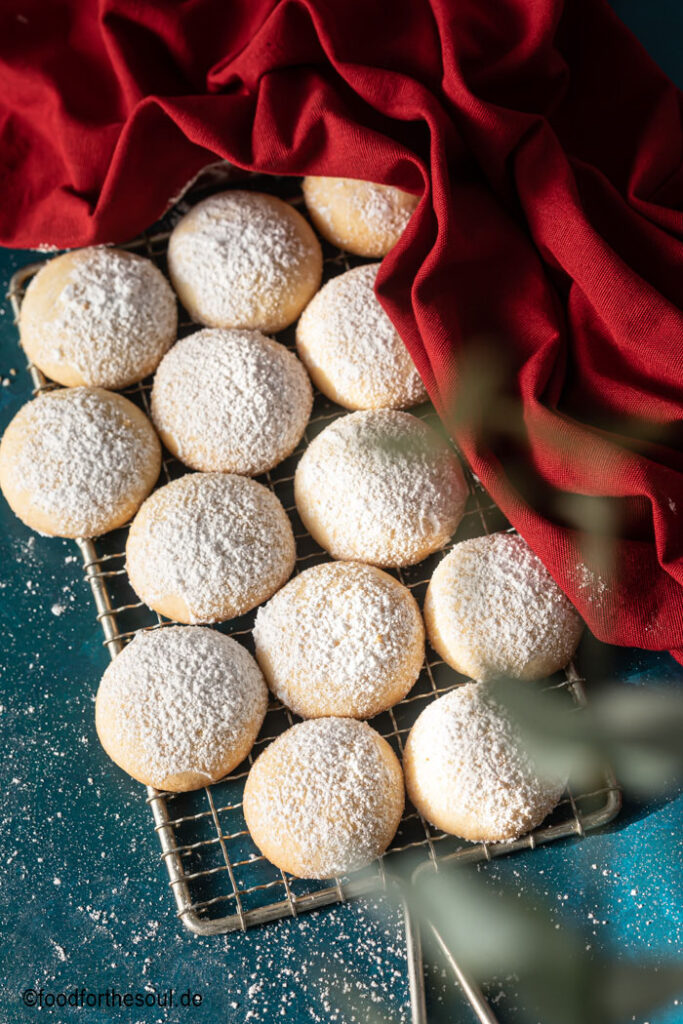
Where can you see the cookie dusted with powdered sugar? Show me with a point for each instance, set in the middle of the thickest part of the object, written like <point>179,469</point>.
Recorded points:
<point>231,401</point>
<point>352,350</point>
<point>98,316</point>
<point>340,639</point>
<point>324,798</point>
<point>78,462</point>
<point>362,217</point>
<point>246,260</point>
<point>493,609</point>
<point>380,487</point>
<point>180,707</point>
<point>208,547</point>
<point>468,773</point>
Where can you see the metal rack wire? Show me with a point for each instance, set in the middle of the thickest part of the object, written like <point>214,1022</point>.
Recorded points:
<point>219,879</point>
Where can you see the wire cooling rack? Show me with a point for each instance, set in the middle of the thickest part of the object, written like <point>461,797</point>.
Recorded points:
<point>219,879</point>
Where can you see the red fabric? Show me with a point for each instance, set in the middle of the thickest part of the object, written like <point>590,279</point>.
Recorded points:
<point>539,286</point>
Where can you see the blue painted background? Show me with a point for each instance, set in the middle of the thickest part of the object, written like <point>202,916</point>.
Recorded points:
<point>84,900</point>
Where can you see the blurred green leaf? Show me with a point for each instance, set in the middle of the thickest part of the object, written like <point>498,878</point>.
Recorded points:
<point>636,730</point>
<point>494,934</point>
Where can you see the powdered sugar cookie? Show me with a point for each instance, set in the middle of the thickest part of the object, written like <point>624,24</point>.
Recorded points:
<point>98,316</point>
<point>244,259</point>
<point>208,547</point>
<point>467,771</point>
<point>180,707</point>
<point>352,350</point>
<point>492,609</point>
<point>324,798</point>
<point>77,462</point>
<point>380,487</point>
<point>231,401</point>
<point>340,639</point>
<point>360,216</point>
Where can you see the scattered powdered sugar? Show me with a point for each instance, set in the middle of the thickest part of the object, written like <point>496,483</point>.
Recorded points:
<point>78,456</point>
<point>60,952</point>
<point>345,335</point>
<point>324,791</point>
<point>220,542</point>
<point>591,586</point>
<point>231,401</point>
<point>380,486</point>
<point>240,255</point>
<point>499,611</point>
<point>176,698</point>
<point>343,634</point>
<point>465,760</point>
<point>112,321</point>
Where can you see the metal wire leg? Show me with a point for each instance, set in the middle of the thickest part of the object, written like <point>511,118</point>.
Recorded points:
<point>416,980</point>
<point>469,986</point>
<point>418,1005</point>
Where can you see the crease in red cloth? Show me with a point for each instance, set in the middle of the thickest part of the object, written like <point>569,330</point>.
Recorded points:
<point>539,286</point>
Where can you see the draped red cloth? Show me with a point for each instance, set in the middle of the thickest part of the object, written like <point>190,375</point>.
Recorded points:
<point>539,285</point>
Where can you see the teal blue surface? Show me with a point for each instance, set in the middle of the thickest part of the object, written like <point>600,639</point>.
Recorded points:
<point>84,897</point>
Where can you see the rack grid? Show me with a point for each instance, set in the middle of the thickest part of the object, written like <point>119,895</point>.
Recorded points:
<point>219,879</point>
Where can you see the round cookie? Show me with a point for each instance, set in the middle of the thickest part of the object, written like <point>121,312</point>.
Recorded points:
<point>246,260</point>
<point>98,316</point>
<point>324,798</point>
<point>208,547</point>
<point>341,638</point>
<point>180,707</point>
<point>231,401</point>
<point>380,487</point>
<point>352,350</point>
<point>362,217</point>
<point>77,462</point>
<point>468,773</point>
<point>492,609</point>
